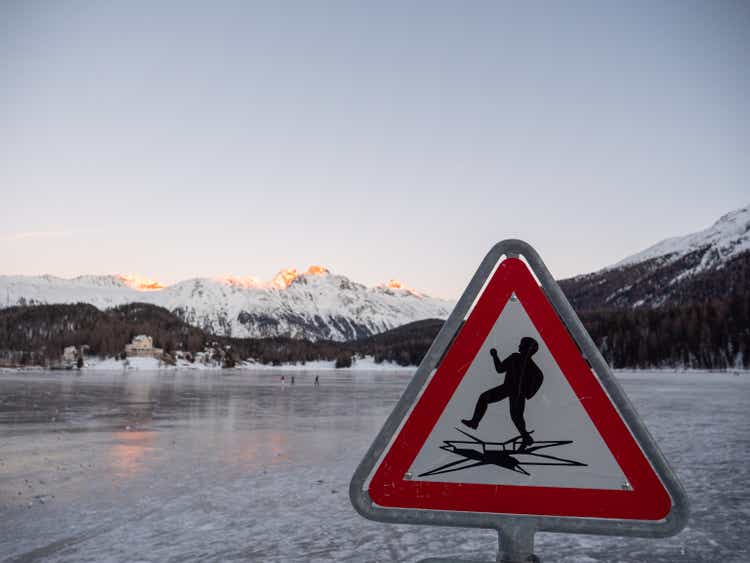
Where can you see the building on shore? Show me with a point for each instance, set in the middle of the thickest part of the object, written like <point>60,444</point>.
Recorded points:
<point>69,357</point>
<point>73,356</point>
<point>142,346</point>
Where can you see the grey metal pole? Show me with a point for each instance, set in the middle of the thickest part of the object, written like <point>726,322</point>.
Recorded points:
<point>516,544</point>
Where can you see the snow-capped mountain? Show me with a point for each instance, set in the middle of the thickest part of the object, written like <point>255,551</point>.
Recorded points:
<point>316,304</point>
<point>709,264</point>
<point>726,238</point>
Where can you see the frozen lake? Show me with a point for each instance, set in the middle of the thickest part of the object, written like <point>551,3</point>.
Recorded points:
<point>233,466</point>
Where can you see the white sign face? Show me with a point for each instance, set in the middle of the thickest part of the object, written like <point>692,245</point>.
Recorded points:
<point>490,433</point>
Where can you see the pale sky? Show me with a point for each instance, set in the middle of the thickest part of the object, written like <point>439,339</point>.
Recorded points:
<point>382,139</point>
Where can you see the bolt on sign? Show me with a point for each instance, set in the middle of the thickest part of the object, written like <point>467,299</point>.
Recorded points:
<point>514,421</point>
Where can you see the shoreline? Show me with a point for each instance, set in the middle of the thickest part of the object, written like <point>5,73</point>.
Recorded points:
<point>363,364</point>
<point>151,364</point>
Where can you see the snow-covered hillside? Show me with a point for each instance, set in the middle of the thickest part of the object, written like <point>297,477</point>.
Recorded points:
<point>314,305</point>
<point>726,238</point>
<point>711,264</point>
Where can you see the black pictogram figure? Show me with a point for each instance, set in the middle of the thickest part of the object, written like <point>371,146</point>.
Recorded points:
<point>522,381</point>
<point>511,454</point>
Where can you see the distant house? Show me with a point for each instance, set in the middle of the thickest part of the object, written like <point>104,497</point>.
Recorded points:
<point>142,346</point>
<point>72,356</point>
<point>69,357</point>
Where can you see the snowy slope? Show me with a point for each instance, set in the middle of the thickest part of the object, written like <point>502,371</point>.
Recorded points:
<point>100,291</point>
<point>315,305</point>
<point>711,264</point>
<point>726,238</point>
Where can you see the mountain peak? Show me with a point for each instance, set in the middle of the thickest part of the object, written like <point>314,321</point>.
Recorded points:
<point>317,271</point>
<point>398,286</point>
<point>288,276</point>
<point>284,278</point>
<point>736,217</point>
<point>140,283</point>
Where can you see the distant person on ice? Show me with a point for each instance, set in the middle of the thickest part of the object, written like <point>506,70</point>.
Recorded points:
<point>522,381</point>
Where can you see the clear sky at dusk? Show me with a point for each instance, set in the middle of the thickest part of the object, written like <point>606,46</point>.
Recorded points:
<point>381,139</point>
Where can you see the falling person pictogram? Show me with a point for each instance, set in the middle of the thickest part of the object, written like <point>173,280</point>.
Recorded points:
<point>522,381</point>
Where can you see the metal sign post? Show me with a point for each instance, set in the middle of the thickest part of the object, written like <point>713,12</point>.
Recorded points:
<point>567,454</point>
<point>515,545</point>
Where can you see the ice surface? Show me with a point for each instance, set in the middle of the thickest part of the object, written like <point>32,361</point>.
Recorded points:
<point>216,466</point>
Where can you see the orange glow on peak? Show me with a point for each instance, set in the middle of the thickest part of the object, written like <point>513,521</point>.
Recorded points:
<point>285,278</point>
<point>317,271</point>
<point>139,283</point>
<point>395,284</point>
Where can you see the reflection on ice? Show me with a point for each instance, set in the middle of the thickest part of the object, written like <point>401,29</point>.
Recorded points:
<point>129,450</point>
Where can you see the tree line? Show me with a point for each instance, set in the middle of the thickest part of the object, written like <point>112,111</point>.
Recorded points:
<point>37,334</point>
<point>714,334</point>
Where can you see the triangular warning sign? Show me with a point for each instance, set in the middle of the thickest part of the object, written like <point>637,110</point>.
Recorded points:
<point>513,418</point>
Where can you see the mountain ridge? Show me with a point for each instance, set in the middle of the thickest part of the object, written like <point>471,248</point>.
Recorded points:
<point>727,237</point>
<point>314,305</point>
<point>709,264</point>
